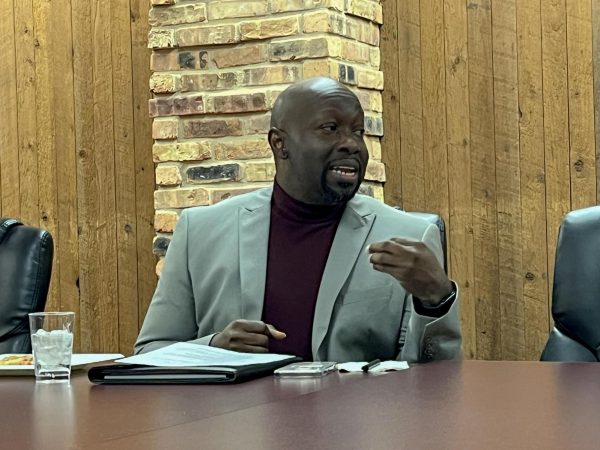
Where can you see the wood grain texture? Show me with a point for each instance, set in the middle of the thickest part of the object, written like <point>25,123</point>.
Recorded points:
<point>391,142</point>
<point>411,112</point>
<point>532,169</point>
<point>556,120</point>
<point>66,250</point>
<point>435,156</point>
<point>596,64</point>
<point>26,115</point>
<point>460,225</point>
<point>126,243</point>
<point>144,166</point>
<point>483,163</point>
<point>9,141</point>
<point>581,104</point>
<point>508,178</point>
<point>45,173</point>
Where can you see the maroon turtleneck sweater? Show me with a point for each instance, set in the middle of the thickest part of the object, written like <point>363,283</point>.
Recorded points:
<point>300,237</point>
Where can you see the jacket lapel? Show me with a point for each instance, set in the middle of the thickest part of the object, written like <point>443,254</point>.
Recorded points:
<point>254,222</point>
<point>348,245</point>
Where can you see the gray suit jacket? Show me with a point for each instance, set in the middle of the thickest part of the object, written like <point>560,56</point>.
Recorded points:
<point>215,271</point>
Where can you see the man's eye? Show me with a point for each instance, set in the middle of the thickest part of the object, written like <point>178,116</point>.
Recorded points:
<point>359,132</point>
<point>329,127</point>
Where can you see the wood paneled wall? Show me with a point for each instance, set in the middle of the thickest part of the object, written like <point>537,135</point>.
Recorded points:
<point>491,118</point>
<point>75,154</point>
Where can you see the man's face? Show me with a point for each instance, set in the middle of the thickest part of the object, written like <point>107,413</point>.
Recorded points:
<point>327,155</point>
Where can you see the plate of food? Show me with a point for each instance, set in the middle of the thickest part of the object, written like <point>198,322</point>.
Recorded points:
<point>14,364</point>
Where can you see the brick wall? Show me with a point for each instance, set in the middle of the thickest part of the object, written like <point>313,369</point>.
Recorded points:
<point>218,67</point>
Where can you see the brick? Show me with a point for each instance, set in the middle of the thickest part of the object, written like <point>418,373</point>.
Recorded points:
<point>259,171</point>
<point>257,124</point>
<point>245,148</point>
<point>366,189</point>
<point>209,81</point>
<point>165,221</point>
<point>355,51</point>
<point>375,171</point>
<point>161,60</point>
<point>209,127</point>
<point>163,2</point>
<point>297,5</point>
<point>220,194</point>
<point>206,35</point>
<point>183,151</point>
<point>177,14</point>
<point>375,58</point>
<point>378,193</point>
<point>277,74</point>
<point>370,100</point>
<point>374,147</point>
<point>168,174</point>
<point>159,38</point>
<point>247,8</point>
<point>367,9</point>
<point>206,174</point>
<point>371,79</point>
<point>238,103</point>
<point>160,244</point>
<point>239,56</point>
<point>269,28</point>
<point>373,125</point>
<point>164,83</point>
<point>336,23</point>
<point>320,67</point>
<point>302,48</point>
<point>181,197</point>
<point>176,106</point>
<point>188,60</point>
<point>165,128</point>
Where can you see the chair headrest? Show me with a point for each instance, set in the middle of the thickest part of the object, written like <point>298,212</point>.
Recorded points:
<point>6,225</point>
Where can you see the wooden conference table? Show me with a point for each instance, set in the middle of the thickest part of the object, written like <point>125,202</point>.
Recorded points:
<point>445,405</point>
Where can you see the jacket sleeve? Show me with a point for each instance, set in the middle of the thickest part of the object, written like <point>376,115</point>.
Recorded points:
<point>171,316</point>
<point>423,338</point>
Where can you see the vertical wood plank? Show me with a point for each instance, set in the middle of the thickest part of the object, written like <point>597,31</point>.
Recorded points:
<point>26,115</point>
<point>435,157</point>
<point>411,112</point>
<point>533,189</point>
<point>508,179</point>
<point>596,63</point>
<point>485,228</point>
<point>67,251</point>
<point>556,119</point>
<point>9,142</point>
<point>45,207</point>
<point>102,215</point>
<point>581,104</point>
<point>124,181</point>
<point>391,142</point>
<point>83,89</point>
<point>144,166</point>
<point>460,226</point>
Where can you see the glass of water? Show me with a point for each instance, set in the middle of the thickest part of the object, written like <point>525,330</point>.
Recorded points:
<point>52,344</point>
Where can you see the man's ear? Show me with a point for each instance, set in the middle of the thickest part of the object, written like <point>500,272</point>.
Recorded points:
<point>277,143</point>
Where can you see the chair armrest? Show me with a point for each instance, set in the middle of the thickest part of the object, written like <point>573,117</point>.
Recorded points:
<point>562,348</point>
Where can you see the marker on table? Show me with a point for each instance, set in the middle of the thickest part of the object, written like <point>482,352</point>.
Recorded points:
<point>370,365</point>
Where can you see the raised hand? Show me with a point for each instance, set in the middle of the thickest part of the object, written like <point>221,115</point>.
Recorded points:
<point>249,336</point>
<point>414,265</point>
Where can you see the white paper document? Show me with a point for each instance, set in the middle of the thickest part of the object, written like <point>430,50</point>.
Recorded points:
<point>383,366</point>
<point>183,354</point>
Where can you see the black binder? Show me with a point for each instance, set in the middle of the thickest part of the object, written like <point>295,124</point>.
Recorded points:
<point>140,374</point>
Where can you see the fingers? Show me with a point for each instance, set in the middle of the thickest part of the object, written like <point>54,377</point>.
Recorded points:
<point>275,333</point>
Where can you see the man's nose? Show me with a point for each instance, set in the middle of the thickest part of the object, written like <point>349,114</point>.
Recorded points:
<point>350,142</point>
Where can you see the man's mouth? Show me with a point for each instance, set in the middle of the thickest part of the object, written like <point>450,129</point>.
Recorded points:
<point>344,172</point>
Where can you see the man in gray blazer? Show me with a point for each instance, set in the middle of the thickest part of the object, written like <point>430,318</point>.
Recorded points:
<point>308,267</point>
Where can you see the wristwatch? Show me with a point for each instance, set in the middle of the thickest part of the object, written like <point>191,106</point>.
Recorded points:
<point>447,300</point>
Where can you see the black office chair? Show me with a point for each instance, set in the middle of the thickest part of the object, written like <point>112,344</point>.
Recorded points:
<point>576,292</point>
<point>25,267</point>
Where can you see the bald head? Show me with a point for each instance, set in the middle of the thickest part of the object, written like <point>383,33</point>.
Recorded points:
<point>298,99</point>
